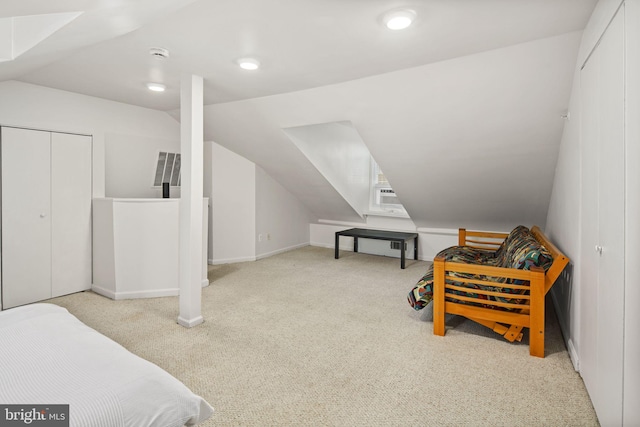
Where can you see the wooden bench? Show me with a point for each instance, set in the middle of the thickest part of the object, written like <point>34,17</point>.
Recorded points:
<point>508,318</point>
<point>365,233</point>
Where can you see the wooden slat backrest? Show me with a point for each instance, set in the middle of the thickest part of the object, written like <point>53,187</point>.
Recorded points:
<point>480,239</point>
<point>491,241</point>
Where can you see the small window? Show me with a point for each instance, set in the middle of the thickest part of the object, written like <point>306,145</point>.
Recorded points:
<point>383,198</point>
<point>167,169</point>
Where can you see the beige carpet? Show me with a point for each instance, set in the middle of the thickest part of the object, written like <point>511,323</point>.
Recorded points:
<point>302,339</point>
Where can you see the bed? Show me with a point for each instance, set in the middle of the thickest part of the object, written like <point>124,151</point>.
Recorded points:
<point>49,357</point>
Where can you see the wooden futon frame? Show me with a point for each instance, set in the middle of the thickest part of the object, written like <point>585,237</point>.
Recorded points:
<point>527,312</point>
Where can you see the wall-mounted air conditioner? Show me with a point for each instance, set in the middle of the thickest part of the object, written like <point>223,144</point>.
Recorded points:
<point>386,198</point>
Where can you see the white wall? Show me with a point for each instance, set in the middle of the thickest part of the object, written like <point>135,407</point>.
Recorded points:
<point>430,240</point>
<point>37,107</point>
<point>281,219</point>
<point>563,216</point>
<point>246,202</point>
<point>233,205</point>
<point>207,188</point>
<point>563,227</point>
<point>563,219</point>
<point>130,162</point>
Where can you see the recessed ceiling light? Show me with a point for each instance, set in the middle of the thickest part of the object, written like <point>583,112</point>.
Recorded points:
<point>399,19</point>
<point>156,87</point>
<point>249,63</point>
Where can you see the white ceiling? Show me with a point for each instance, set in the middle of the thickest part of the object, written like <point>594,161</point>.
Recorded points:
<point>300,43</point>
<point>461,110</point>
<point>469,142</point>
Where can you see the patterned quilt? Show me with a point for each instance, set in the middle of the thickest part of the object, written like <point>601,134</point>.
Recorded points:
<point>519,250</point>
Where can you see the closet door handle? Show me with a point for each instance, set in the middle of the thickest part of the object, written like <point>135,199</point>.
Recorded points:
<point>42,215</point>
<point>599,249</point>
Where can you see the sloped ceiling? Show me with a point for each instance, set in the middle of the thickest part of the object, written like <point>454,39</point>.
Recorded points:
<point>100,21</point>
<point>461,110</point>
<point>469,142</point>
<point>21,33</point>
<point>339,154</point>
<point>301,44</point>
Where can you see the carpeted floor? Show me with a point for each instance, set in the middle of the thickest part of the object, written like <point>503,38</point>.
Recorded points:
<point>302,339</point>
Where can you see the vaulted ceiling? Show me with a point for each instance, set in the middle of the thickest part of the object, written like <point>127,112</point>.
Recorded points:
<point>462,110</point>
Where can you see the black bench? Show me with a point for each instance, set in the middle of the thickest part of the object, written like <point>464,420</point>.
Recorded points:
<point>393,236</point>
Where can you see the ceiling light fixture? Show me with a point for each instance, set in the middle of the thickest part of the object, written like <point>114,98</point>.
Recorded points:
<point>156,87</point>
<point>399,19</point>
<point>249,63</point>
<point>159,52</point>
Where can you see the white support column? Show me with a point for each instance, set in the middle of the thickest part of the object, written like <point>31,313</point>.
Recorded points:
<point>191,147</point>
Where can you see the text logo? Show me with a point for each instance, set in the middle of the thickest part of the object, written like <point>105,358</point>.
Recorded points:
<point>34,415</point>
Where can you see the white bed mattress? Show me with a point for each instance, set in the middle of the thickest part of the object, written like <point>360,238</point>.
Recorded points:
<point>47,356</point>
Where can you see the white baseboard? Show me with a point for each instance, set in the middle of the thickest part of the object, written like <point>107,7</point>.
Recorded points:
<point>190,323</point>
<point>573,355</point>
<point>345,224</point>
<point>441,231</point>
<point>156,293</point>
<point>350,249</point>
<point>230,260</point>
<point>571,349</point>
<point>328,246</point>
<point>255,258</point>
<point>279,251</point>
<point>205,283</point>
<point>104,292</point>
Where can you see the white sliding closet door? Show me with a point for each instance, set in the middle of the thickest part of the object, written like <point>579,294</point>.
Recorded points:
<point>611,206</point>
<point>70,213</point>
<point>46,215</point>
<point>589,231</point>
<point>26,219</point>
<point>603,217</point>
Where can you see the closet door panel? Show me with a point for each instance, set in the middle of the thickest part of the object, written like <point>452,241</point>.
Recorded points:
<point>631,415</point>
<point>602,229</point>
<point>70,213</point>
<point>26,219</point>
<point>611,222</point>
<point>588,290</point>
